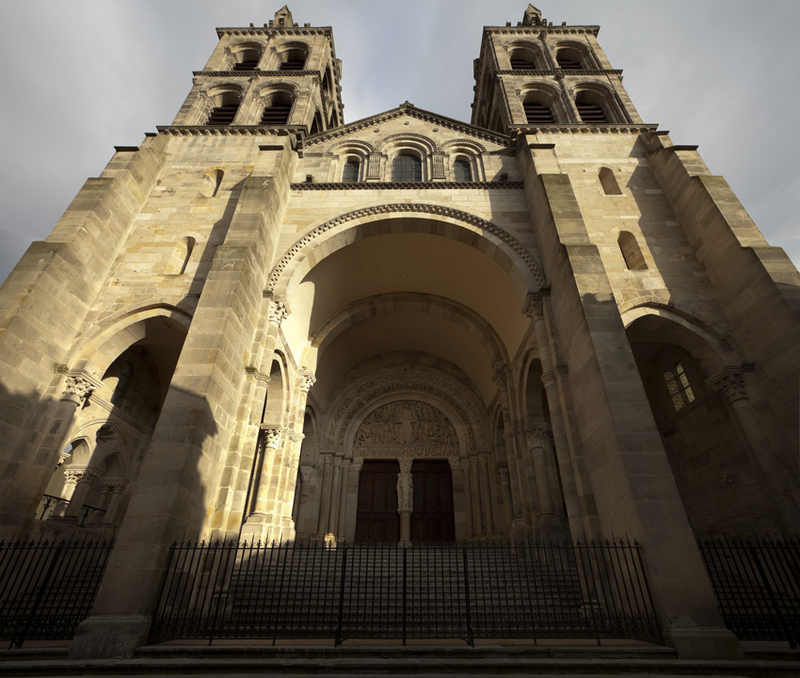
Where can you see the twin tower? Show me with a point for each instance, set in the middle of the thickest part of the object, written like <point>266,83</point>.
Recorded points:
<point>266,324</point>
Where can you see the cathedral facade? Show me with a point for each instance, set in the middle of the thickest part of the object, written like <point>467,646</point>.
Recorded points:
<point>264,324</point>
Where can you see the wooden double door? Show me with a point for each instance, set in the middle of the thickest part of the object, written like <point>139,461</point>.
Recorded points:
<point>377,519</point>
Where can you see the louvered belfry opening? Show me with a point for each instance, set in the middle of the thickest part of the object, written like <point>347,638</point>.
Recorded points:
<point>537,113</point>
<point>568,64</point>
<point>222,115</point>
<point>293,60</point>
<point>591,112</point>
<point>247,65</point>
<point>522,64</point>
<point>276,113</point>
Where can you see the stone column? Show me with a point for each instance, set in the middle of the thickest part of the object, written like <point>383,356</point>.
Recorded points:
<point>351,499</point>
<point>549,524</point>
<point>505,488</point>
<point>463,522</point>
<point>255,526</point>
<point>336,492</point>
<point>477,513</point>
<point>463,466</point>
<point>72,478</point>
<point>112,491</point>
<point>305,525</point>
<point>405,500</point>
<point>773,481</point>
<point>341,526</point>
<point>325,498</point>
<point>534,309</point>
<point>288,459</point>
<point>84,480</point>
<point>518,530</point>
<point>486,497</point>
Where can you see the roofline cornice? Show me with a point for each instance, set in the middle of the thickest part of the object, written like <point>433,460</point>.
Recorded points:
<point>554,30</point>
<point>279,30</point>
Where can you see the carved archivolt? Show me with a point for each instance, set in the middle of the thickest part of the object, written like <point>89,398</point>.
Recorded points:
<point>435,384</point>
<point>439,210</point>
<point>406,429</point>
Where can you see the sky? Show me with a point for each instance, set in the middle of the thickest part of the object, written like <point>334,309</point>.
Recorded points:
<point>83,76</point>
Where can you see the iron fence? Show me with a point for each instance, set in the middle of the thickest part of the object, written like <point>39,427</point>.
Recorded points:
<point>47,589</point>
<point>757,585</point>
<point>283,591</point>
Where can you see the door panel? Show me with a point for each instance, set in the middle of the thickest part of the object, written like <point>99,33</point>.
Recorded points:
<point>377,519</point>
<point>432,520</point>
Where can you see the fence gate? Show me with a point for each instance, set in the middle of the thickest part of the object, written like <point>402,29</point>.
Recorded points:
<point>47,588</point>
<point>305,591</point>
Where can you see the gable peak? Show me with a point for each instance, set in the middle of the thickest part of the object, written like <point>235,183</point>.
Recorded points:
<point>532,17</point>
<point>283,18</point>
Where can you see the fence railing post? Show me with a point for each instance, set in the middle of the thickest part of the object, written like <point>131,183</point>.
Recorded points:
<point>340,621</point>
<point>405,589</point>
<point>470,638</point>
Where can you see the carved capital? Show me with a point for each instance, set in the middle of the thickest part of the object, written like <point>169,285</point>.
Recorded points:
<point>270,436</point>
<point>533,307</point>
<point>77,388</point>
<point>500,376</point>
<point>356,464</point>
<point>85,476</point>
<point>305,380</point>
<point>455,463</point>
<point>535,434</point>
<point>337,462</point>
<point>278,312</point>
<point>308,473</point>
<point>503,473</point>
<point>327,459</point>
<point>113,486</point>
<point>730,382</point>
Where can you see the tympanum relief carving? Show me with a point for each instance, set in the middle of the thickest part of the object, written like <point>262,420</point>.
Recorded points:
<point>403,429</point>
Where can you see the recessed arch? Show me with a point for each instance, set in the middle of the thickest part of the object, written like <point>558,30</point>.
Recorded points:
<point>464,405</point>
<point>415,302</point>
<point>646,323</point>
<point>345,229</point>
<point>99,349</point>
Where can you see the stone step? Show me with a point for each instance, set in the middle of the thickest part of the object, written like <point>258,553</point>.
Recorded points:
<point>421,660</point>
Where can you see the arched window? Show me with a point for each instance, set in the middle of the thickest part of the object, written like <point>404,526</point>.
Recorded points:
<point>180,256</point>
<point>462,171</point>
<point>678,386</point>
<point>609,182</point>
<point>522,59</point>
<point>407,167</point>
<point>590,108</point>
<point>212,182</point>
<point>277,110</point>
<point>293,60</point>
<point>570,59</point>
<point>224,110</point>
<point>247,58</point>
<point>631,252</point>
<point>352,169</point>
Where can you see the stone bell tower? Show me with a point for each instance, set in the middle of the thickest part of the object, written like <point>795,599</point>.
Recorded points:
<point>280,74</point>
<point>535,73</point>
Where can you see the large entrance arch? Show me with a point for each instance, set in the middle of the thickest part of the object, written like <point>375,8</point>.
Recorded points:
<point>414,303</point>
